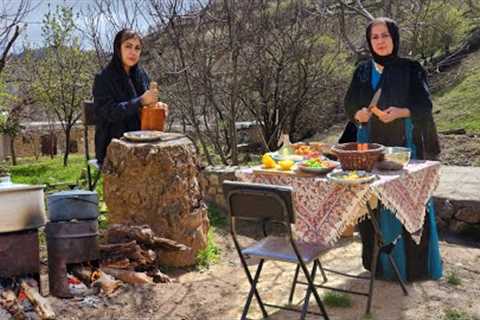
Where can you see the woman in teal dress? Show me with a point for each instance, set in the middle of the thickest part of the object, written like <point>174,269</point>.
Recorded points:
<point>406,121</point>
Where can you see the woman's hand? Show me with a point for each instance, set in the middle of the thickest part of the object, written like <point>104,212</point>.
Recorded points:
<point>394,113</point>
<point>149,97</point>
<point>163,106</point>
<point>363,115</point>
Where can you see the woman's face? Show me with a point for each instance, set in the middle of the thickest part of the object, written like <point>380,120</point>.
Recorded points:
<point>381,40</point>
<point>130,51</point>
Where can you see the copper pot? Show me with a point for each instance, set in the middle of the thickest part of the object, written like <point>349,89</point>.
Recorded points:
<point>152,118</point>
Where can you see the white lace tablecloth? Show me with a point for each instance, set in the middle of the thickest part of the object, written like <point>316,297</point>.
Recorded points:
<point>324,209</point>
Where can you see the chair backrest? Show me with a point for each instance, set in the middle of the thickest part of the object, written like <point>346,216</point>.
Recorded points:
<point>88,113</point>
<point>259,201</point>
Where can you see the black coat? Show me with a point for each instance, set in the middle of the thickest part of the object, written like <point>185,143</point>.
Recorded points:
<point>116,99</point>
<point>404,85</point>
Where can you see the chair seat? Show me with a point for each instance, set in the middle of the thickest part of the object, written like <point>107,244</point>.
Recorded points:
<point>280,248</point>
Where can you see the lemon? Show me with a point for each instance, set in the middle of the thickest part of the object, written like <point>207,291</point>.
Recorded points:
<point>286,164</point>
<point>268,162</point>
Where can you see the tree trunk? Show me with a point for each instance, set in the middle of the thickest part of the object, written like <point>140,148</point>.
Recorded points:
<point>12,150</point>
<point>68,130</point>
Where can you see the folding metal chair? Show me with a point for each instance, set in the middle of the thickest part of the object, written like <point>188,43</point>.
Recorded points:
<point>379,248</point>
<point>266,204</point>
<point>89,120</point>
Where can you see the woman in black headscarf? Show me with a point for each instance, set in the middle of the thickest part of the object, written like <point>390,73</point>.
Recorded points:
<point>406,120</point>
<point>119,92</point>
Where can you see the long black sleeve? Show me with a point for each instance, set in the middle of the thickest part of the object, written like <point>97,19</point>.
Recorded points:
<point>105,106</point>
<point>420,105</point>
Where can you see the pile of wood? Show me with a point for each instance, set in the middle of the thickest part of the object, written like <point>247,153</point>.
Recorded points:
<point>11,298</point>
<point>128,255</point>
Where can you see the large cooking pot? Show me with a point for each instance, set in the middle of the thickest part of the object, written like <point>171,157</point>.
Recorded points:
<point>22,207</point>
<point>74,204</point>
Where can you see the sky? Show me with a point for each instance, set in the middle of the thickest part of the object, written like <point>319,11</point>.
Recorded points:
<point>35,17</point>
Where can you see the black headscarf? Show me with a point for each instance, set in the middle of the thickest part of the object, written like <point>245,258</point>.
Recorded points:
<point>394,33</point>
<point>117,65</point>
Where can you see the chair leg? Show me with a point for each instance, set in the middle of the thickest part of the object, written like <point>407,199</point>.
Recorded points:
<point>292,291</point>
<point>324,276</point>
<point>373,272</point>
<point>309,292</point>
<point>397,274</point>
<point>311,285</point>
<point>253,290</point>
<point>95,180</point>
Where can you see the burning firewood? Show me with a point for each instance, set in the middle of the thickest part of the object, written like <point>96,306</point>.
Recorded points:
<point>83,273</point>
<point>127,276</point>
<point>8,301</point>
<point>143,235</point>
<point>106,282</point>
<point>40,304</point>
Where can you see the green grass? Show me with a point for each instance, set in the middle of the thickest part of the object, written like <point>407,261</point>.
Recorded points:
<point>211,254</point>
<point>459,105</point>
<point>452,314</point>
<point>337,300</point>
<point>453,279</point>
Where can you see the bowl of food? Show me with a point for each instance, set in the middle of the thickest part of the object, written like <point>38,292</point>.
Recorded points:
<point>394,158</point>
<point>317,166</point>
<point>358,156</point>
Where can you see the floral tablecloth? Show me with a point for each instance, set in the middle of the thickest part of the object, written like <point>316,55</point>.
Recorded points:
<point>324,208</point>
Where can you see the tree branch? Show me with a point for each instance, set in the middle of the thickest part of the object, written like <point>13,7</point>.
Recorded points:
<point>3,60</point>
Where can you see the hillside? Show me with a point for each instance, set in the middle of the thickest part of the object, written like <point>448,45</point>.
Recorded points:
<point>458,106</point>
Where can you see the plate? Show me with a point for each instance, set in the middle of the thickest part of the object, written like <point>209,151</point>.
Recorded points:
<point>278,157</point>
<point>341,177</point>
<point>143,135</point>
<point>331,165</point>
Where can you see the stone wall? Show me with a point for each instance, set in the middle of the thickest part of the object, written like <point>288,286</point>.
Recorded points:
<point>457,216</point>
<point>29,142</point>
<point>211,181</point>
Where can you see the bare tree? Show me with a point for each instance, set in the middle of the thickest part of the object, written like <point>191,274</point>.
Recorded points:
<point>64,72</point>
<point>12,15</point>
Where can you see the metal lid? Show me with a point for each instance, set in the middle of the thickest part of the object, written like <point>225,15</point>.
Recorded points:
<point>73,194</point>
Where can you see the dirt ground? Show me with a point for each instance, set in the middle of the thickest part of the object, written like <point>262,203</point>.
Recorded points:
<point>220,292</point>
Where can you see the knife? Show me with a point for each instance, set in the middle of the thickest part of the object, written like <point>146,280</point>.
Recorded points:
<point>372,107</point>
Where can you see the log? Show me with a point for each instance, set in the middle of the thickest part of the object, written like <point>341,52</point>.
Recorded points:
<point>127,276</point>
<point>130,250</point>
<point>143,235</point>
<point>40,304</point>
<point>8,301</point>
<point>83,273</point>
<point>106,282</point>
<point>124,264</point>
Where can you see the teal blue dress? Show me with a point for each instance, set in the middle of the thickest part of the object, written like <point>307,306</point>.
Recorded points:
<point>391,227</point>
